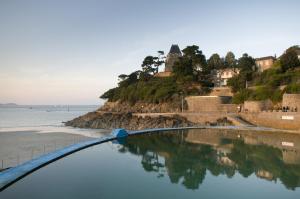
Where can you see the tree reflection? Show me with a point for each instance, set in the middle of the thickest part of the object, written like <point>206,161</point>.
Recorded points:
<point>187,163</point>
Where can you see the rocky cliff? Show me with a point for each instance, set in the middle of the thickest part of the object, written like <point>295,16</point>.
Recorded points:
<point>109,120</point>
<point>141,107</point>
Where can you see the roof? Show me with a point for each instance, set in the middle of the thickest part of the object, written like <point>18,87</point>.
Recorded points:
<point>175,49</point>
<point>230,70</point>
<point>235,70</point>
<point>265,58</point>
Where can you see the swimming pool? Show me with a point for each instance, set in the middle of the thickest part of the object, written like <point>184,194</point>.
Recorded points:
<point>195,163</point>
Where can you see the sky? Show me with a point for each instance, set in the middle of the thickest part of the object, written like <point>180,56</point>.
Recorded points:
<point>71,51</point>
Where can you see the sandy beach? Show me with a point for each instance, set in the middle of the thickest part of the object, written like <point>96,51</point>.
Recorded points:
<point>17,147</point>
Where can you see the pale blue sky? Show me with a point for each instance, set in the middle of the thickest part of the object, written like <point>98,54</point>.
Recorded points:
<point>71,51</point>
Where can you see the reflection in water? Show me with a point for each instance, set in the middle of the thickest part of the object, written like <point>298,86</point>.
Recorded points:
<point>186,156</point>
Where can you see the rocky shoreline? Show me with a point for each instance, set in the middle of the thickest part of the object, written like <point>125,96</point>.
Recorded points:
<point>109,120</point>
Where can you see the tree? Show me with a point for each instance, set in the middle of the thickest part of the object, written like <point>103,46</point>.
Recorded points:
<point>122,77</point>
<point>126,80</point>
<point>215,62</point>
<point>246,64</point>
<point>230,61</point>
<point>190,65</point>
<point>149,66</point>
<point>111,94</point>
<point>196,56</point>
<point>183,70</point>
<point>160,59</point>
<point>247,67</point>
<point>290,59</point>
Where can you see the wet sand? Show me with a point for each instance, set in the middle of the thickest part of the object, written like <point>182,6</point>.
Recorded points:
<point>18,147</point>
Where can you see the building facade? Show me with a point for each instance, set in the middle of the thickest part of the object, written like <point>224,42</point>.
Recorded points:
<point>264,63</point>
<point>222,76</point>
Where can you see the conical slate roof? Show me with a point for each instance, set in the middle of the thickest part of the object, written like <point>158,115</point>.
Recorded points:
<point>175,49</point>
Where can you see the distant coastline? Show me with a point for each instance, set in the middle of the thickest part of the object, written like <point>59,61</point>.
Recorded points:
<point>8,105</point>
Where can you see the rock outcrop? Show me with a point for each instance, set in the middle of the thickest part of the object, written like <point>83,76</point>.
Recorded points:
<point>108,120</point>
<point>141,107</point>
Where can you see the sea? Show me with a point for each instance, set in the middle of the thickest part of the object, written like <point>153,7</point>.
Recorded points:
<point>44,118</point>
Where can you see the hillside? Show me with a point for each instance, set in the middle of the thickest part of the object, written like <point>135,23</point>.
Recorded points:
<point>270,84</point>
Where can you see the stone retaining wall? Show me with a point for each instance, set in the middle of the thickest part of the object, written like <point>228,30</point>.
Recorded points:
<point>279,120</point>
<point>291,100</point>
<point>257,106</point>
<point>198,104</point>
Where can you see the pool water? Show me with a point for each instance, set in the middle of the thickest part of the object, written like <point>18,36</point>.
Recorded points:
<point>197,163</point>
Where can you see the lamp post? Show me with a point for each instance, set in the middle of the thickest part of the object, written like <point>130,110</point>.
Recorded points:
<point>181,93</point>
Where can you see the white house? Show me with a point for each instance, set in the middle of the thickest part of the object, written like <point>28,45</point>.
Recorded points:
<point>221,76</point>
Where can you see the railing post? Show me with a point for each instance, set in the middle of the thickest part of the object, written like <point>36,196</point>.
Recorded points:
<point>31,154</point>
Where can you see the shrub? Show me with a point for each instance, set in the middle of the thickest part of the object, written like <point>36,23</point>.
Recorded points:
<point>293,88</point>
<point>241,96</point>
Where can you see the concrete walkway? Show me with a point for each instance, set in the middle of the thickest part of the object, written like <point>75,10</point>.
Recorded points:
<point>238,121</point>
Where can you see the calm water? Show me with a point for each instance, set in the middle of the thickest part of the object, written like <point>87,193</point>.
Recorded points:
<point>44,119</point>
<point>34,116</point>
<point>181,164</point>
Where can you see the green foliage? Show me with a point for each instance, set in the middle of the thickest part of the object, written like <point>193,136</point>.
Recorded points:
<point>145,86</point>
<point>237,83</point>
<point>266,85</point>
<point>126,80</point>
<point>274,77</point>
<point>192,76</point>
<point>290,59</point>
<point>266,92</point>
<point>246,64</point>
<point>153,91</point>
<point>215,62</point>
<point>260,93</point>
<point>241,96</point>
<point>230,61</point>
<point>293,88</point>
<point>183,70</point>
<point>196,57</point>
<point>191,66</point>
<point>151,64</point>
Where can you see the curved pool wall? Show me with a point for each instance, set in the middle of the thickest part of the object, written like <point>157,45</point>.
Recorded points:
<point>14,174</point>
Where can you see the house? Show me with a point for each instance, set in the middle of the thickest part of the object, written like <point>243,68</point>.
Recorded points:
<point>264,63</point>
<point>222,76</point>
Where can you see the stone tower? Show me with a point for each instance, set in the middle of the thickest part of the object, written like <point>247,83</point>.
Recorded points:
<point>172,57</point>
